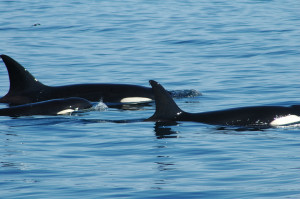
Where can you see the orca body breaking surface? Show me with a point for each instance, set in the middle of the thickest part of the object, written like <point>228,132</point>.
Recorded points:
<point>256,116</point>
<point>49,107</point>
<point>25,88</point>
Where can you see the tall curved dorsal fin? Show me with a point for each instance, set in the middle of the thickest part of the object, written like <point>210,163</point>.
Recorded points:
<point>20,79</point>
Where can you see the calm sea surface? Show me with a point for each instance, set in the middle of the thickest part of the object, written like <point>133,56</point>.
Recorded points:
<point>236,53</point>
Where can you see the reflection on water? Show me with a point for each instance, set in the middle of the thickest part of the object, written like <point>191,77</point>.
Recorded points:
<point>164,166</point>
<point>164,130</point>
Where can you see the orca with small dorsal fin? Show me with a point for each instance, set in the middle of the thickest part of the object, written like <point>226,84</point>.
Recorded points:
<point>25,88</point>
<point>49,107</point>
<point>256,116</point>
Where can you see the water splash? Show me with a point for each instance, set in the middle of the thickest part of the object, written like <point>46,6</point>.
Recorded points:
<point>100,106</point>
<point>185,93</point>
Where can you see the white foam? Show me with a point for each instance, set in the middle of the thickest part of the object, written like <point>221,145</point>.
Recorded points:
<point>100,106</point>
<point>65,112</point>
<point>135,100</point>
<point>285,120</point>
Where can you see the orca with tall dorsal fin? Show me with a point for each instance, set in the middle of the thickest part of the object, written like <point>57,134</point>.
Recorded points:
<point>25,88</point>
<point>256,116</point>
<point>49,107</point>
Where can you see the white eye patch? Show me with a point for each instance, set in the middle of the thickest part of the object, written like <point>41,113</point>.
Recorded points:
<point>65,112</point>
<point>135,100</point>
<point>289,119</point>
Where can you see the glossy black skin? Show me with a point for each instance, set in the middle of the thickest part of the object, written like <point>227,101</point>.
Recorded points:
<point>256,116</point>
<point>24,88</point>
<point>245,116</point>
<point>50,107</point>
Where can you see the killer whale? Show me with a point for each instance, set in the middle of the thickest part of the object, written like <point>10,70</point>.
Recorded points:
<point>256,116</point>
<point>25,88</point>
<point>49,107</point>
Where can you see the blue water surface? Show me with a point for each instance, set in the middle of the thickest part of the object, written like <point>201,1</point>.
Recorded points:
<point>236,53</point>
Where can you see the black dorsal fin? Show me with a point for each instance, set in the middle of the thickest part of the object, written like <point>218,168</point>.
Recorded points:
<point>166,108</point>
<point>20,79</point>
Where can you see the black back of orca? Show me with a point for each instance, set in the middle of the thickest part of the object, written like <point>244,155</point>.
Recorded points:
<point>49,107</point>
<point>257,116</point>
<point>25,88</point>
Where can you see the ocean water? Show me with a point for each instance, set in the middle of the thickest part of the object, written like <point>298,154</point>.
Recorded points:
<point>236,53</point>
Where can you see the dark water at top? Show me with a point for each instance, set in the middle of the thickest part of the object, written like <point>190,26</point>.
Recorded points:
<point>235,53</point>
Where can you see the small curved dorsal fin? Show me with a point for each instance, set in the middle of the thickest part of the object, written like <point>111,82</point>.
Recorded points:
<point>166,108</point>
